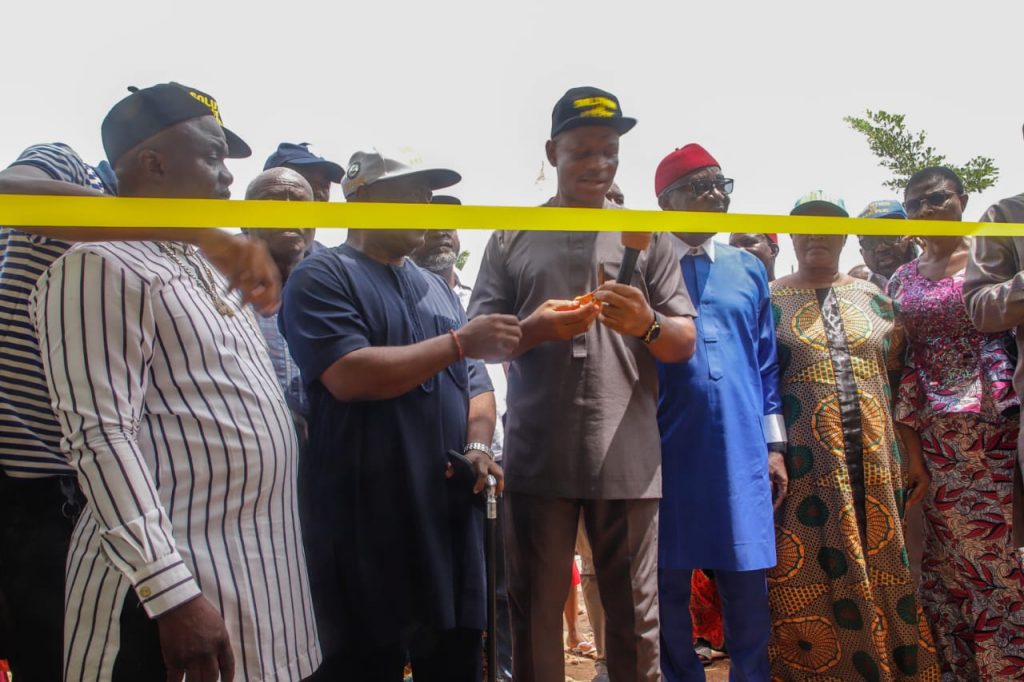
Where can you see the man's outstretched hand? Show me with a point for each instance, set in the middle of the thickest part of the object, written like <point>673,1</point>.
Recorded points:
<point>247,265</point>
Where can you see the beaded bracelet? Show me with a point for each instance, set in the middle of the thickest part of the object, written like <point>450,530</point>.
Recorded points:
<point>458,344</point>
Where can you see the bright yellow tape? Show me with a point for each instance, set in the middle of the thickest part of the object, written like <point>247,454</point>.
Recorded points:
<point>55,211</point>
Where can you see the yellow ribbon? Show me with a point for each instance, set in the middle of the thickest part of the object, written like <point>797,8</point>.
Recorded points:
<point>60,211</point>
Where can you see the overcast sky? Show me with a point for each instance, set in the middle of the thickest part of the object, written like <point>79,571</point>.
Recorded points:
<point>764,86</point>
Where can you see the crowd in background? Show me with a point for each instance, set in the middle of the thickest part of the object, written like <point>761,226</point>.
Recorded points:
<point>253,457</point>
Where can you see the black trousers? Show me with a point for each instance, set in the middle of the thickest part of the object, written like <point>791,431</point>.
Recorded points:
<point>436,656</point>
<point>37,516</point>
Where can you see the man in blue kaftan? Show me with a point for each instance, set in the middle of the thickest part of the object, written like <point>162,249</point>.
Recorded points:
<point>722,436</point>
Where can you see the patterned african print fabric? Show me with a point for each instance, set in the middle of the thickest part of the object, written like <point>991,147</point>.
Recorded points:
<point>950,367</point>
<point>843,602</point>
<point>955,391</point>
<point>972,578</point>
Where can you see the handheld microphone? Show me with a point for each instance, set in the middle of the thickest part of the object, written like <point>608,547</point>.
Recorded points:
<point>635,242</point>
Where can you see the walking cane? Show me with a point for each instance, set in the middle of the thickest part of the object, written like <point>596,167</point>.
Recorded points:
<point>490,540</point>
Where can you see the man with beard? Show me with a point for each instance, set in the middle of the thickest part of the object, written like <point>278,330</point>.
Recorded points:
<point>395,550</point>
<point>722,435</point>
<point>185,560</point>
<point>318,171</point>
<point>581,436</point>
<point>884,254</point>
<point>287,247</point>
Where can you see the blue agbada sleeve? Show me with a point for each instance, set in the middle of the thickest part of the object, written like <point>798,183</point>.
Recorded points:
<point>768,361</point>
<point>320,317</point>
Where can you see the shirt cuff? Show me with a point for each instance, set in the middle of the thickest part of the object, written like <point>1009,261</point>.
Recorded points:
<point>774,428</point>
<point>164,584</point>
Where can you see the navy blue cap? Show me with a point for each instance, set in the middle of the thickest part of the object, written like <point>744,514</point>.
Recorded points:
<point>289,154</point>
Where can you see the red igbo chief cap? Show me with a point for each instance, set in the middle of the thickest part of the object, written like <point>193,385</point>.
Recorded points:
<point>772,236</point>
<point>684,160</point>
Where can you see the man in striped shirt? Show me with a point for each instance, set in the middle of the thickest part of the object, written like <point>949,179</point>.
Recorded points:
<point>36,482</point>
<point>173,420</point>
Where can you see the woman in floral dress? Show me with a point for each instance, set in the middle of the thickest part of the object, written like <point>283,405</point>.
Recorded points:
<point>956,402</point>
<point>843,601</point>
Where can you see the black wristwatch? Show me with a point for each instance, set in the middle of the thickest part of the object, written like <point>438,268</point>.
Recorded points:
<point>651,335</point>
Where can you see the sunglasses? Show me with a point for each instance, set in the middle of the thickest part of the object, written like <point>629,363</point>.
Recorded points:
<point>701,187</point>
<point>935,199</point>
<point>880,242</point>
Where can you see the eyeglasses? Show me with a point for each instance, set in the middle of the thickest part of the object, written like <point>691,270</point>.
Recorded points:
<point>935,199</point>
<point>701,187</point>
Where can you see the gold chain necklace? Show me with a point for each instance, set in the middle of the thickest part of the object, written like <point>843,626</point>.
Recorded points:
<point>196,276</point>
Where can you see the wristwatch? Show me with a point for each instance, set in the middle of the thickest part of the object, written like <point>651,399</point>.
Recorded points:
<point>479,446</point>
<point>651,335</point>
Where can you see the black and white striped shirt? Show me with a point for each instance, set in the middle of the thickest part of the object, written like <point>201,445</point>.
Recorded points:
<point>183,444</point>
<point>29,432</point>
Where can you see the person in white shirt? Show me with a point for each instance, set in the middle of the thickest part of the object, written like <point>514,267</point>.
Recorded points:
<point>187,560</point>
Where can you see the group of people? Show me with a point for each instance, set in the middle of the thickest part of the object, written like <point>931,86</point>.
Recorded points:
<point>199,484</point>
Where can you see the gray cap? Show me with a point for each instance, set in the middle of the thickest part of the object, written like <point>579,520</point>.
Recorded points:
<point>366,168</point>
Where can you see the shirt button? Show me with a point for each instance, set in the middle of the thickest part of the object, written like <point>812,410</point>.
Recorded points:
<point>145,592</point>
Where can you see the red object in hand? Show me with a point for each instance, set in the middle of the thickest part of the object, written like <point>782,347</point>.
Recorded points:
<point>577,303</point>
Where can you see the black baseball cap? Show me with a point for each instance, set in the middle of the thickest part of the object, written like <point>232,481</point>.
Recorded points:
<point>289,154</point>
<point>148,111</point>
<point>588,106</point>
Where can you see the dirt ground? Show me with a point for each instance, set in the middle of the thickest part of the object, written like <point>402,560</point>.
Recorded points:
<point>581,669</point>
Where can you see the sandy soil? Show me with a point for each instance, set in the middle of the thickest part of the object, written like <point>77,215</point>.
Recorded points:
<point>581,669</point>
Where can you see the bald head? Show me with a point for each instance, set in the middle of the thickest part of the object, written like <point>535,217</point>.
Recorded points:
<point>287,246</point>
<point>279,184</point>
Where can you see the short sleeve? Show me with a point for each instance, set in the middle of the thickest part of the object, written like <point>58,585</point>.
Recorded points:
<point>664,277</point>
<point>320,316</point>
<point>493,292</point>
<point>60,162</point>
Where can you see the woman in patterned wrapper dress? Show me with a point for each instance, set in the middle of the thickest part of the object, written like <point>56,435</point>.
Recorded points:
<point>843,601</point>
<point>956,401</point>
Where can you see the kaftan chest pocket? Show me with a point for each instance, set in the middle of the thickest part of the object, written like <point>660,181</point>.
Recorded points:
<point>712,335</point>
<point>713,352</point>
<point>458,371</point>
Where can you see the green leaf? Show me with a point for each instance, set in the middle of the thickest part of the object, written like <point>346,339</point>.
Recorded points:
<point>903,152</point>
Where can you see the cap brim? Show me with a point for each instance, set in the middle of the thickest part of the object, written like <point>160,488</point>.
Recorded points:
<point>837,211</point>
<point>336,171</point>
<point>438,178</point>
<point>237,148</point>
<point>621,125</point>
<point>446,200</point>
